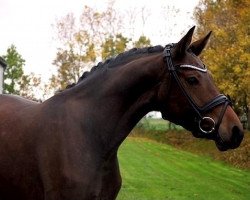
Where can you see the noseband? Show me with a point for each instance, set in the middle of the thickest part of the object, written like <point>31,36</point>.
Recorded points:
<point>201,119</point>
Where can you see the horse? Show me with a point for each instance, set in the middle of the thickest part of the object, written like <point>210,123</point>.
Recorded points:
<point>65,148</point>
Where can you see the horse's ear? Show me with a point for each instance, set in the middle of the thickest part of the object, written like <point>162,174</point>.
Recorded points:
<point>197,46</point>
<point>184,43</point>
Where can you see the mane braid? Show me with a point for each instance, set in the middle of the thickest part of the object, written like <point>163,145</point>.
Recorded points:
<point>119,59</point>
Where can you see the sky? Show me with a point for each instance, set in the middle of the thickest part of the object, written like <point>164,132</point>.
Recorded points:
<point>28,24</point>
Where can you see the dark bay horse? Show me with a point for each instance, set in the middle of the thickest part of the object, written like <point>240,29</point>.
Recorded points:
<point>66,147</point>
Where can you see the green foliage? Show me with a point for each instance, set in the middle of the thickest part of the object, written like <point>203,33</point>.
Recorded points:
<point>156,171</point>
<point>114,45</point>
<point>143,41</point>
<point>13,72</point>
<point>15,81</point>
<point>228,55</point>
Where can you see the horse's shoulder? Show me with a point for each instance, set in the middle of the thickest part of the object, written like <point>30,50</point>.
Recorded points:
<point>14,101</point>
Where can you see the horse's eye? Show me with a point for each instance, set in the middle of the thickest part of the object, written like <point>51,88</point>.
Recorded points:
<point>192,80</point>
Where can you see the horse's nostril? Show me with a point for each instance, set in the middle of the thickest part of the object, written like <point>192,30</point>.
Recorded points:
<point>237,136</point>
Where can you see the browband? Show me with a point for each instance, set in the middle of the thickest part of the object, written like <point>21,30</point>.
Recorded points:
<point>194,67</point>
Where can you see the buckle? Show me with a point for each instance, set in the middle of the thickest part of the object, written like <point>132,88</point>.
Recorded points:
<point>167,52</point>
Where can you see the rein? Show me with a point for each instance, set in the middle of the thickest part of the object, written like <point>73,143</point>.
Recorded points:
<point>201,118</point>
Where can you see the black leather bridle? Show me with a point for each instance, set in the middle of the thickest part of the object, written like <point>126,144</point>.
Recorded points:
<point>200,118</point>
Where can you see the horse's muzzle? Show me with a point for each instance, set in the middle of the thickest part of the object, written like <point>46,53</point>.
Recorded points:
<point>237,137</point>
<point>233,143</point>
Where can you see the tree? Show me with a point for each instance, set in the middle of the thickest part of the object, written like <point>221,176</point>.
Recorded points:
<point>114,45</point>
<point>14,71</point>
<point>82,43</point>
<point>30,87</point>
<point>143,41</point>
<point>95,36</point>
<point>228,55</point>
<point>15,81</point>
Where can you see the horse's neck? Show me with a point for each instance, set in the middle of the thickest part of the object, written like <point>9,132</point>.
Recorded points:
<point>119,97</point>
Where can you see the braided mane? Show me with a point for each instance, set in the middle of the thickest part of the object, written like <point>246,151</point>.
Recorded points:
<point>121,58</point>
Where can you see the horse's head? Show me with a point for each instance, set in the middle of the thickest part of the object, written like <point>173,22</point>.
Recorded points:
<point>194,102</point>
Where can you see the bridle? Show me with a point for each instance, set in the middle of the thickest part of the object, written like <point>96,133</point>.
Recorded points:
<point>200,118</point>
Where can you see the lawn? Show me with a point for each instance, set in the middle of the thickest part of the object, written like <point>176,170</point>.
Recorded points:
<point>158,130</point>
<point>154,171</point>
<point>153,124</point>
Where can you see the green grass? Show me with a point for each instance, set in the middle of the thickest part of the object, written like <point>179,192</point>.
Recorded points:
<point>156,129</point>
<point>152,124</point>
<point>154,171</point>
